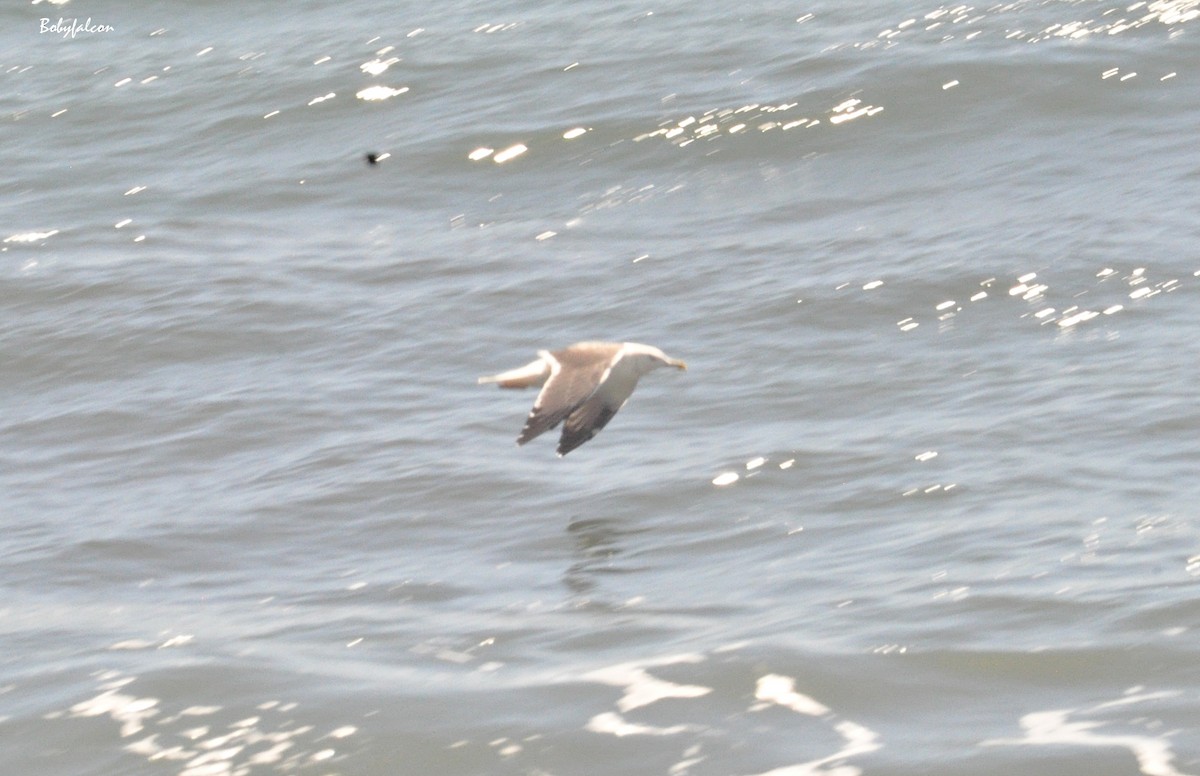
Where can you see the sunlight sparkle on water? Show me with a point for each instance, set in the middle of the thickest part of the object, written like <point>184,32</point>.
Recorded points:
<point>1079,317</point>
<point>512,152</point>
<point>489,28</point>
<point>711,124</point>
<point>268,737</point>
<point>30,237</point>
<point>379,92</point>
<point>377,66</point>
<point>852,109</point>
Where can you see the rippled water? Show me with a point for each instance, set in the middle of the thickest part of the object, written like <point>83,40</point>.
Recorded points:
<point>924,501</point>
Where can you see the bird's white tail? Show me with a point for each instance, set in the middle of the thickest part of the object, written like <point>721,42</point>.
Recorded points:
<point>532,374</point>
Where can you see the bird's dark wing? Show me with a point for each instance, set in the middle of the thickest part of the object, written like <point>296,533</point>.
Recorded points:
<point>585,422</point>
<point>575,375</point>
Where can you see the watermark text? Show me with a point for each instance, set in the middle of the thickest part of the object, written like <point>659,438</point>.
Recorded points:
<point>69,28</point>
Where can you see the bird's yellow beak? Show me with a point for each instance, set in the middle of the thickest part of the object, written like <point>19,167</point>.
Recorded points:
<point>679,365</point>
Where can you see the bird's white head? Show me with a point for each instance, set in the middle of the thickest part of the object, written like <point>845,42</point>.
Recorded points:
<point>648,358</point>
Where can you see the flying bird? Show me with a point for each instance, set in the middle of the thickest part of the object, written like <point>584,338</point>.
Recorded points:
<point>583,386</point>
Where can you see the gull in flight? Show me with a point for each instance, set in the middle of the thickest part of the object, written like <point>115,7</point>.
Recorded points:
<point>583,386</point>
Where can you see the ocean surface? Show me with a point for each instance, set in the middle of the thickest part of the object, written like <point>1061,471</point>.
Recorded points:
<point>926,500</point>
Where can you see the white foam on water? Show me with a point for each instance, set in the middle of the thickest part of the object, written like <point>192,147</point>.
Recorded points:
<point>1065,727</point>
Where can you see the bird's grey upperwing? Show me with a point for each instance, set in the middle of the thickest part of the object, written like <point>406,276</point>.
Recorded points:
<point>575,374</point>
